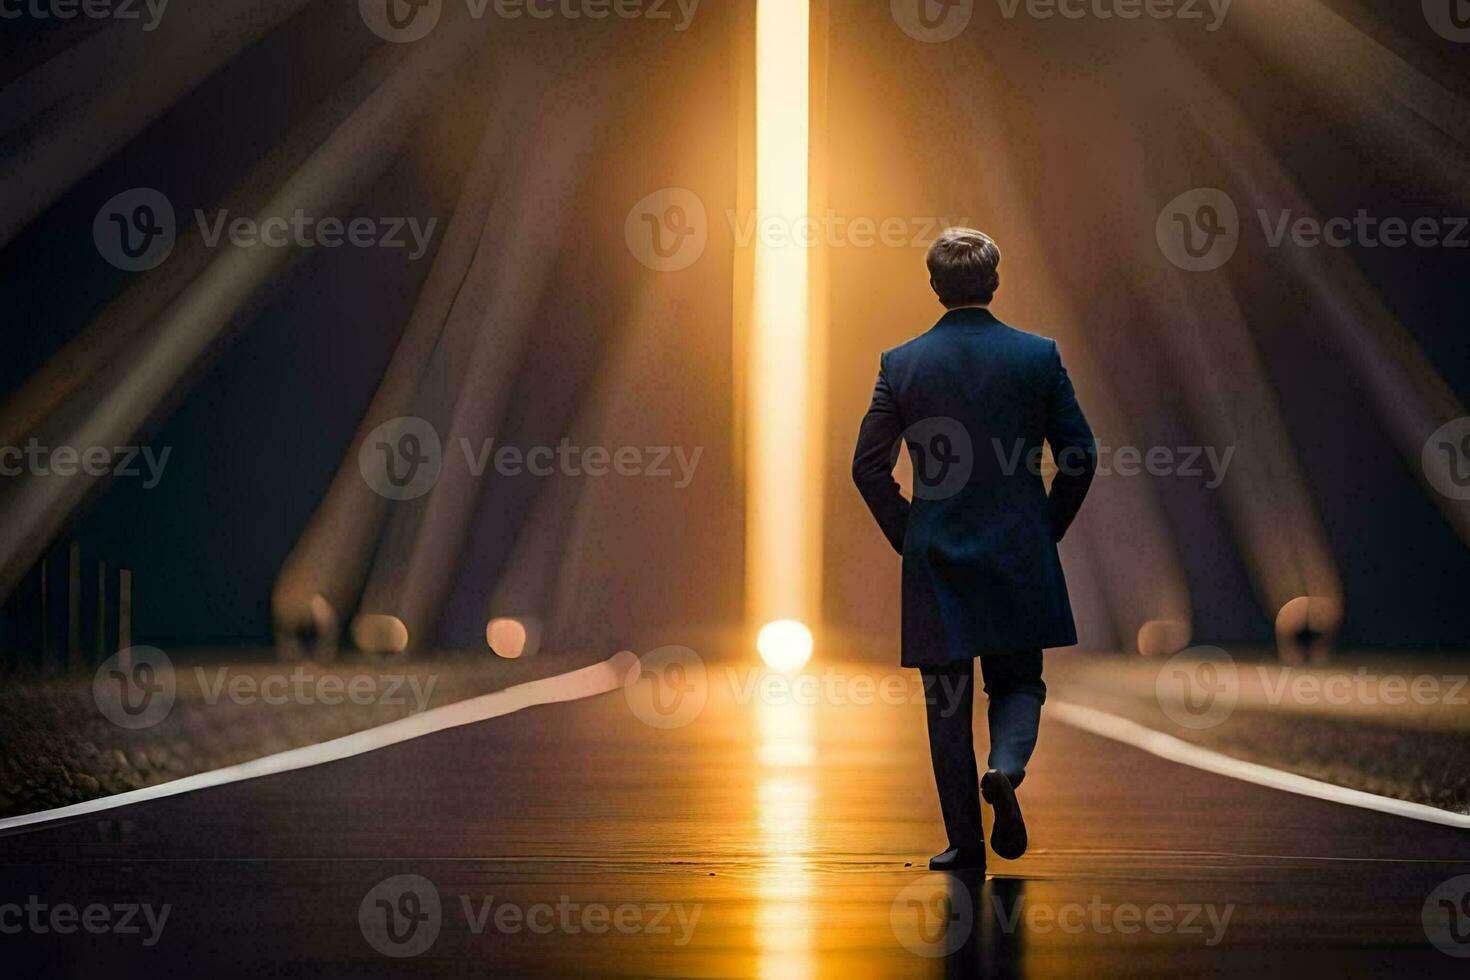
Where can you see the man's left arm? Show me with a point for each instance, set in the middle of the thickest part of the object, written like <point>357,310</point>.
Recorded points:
<point>1072,447</point>
<point>873,461</point>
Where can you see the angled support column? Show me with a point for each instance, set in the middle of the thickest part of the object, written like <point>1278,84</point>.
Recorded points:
<point>323,575</point>
<point>112,84</point>
<point>529,604</point>
<point>74,366</point>
<point>33,509</point>
<point>1197,321</point>
<point>1402,106</point>
<point>413,570</point>
<point>1405,393</point>
<point>1131,543</point>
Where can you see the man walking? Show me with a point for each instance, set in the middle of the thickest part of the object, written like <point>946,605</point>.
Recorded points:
<point>973,399</point>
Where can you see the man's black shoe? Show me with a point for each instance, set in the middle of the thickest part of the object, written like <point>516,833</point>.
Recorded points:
<point>1008,835</point>
<point>955,859</point>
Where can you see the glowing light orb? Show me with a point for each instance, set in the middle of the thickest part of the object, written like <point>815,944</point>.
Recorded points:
<point>1162,637</point>
<point>506,637</point>
<point>1306,627</point>
<point>784,645</point>
<point>380,634</point>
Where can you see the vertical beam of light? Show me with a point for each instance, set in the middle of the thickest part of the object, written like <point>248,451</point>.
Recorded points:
<point>786,931</point>
<point>783,472</point>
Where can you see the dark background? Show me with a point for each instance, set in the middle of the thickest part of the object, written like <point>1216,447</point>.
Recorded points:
<point>259,431</point>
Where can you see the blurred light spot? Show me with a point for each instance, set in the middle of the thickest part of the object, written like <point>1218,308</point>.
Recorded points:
<point>785,645</point>
<point>506,637</point>
<point>1163,637</point>
<point>323,616</point>
<point>380,633</point>
<point>1307,626</point>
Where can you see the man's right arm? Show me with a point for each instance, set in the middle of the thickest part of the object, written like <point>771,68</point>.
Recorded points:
<point>873,460</point>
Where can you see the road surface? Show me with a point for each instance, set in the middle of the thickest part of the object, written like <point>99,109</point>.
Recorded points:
<point>719,827</point>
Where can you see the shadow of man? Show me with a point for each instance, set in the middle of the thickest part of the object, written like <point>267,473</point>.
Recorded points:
<point>994,945</point>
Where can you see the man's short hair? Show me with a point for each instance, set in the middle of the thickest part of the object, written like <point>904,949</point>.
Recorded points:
<point>964,267</point>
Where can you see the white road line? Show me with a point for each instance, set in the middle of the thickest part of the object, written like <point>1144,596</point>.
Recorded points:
<point>600,678</point>
<point>1177,750</point>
